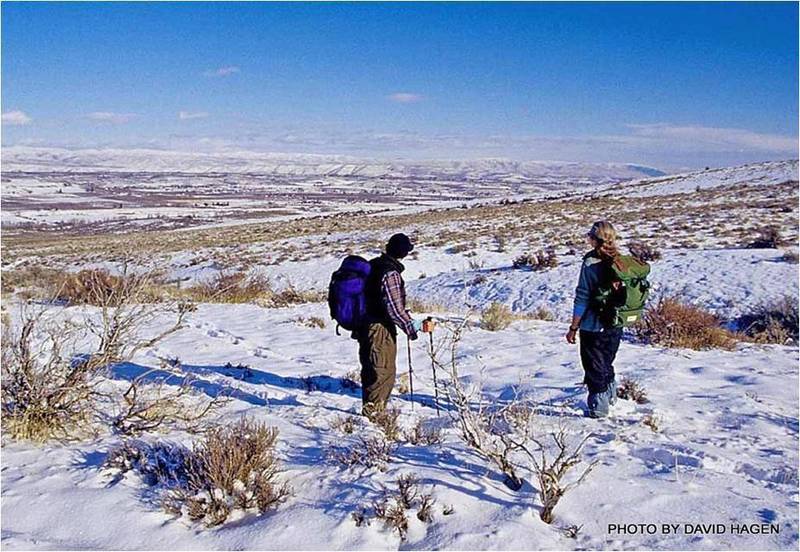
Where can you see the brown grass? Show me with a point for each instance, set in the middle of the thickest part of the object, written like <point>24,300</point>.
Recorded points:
<point>672,323</point>
<point>496,317</point>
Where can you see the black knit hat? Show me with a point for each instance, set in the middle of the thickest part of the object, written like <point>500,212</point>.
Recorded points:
<point>399,246</point>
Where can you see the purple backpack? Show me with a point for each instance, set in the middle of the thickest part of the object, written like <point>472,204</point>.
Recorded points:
<point>346,298</point>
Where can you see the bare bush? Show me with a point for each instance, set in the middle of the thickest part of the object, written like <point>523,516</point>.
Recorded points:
<point>366,451</point>
<point>644,252</point>
<point>393,515</point>
<point>387,419</point>
<point>236,287</point>
<point>48,393</point>
<point>775,322</point>
<point>392,507</point>
<point>151,403</point>
<point>790,256</point>
<point>234,467</point>
<point>551,465</point>
<point>496,317</point>
<point>51,391</point>
<point>769,237</point>
<point>653,422</point>
<point>160,463</point>
<point>475,420</point>
<point>311,322</point>
<point>101,288</point>
<point>631,390</point>
<point>502,433</point>
<point>543,313</point>
<point>671,323</point>
<point>423,434</point>
<point>538,260</point>
<point>347,424</point>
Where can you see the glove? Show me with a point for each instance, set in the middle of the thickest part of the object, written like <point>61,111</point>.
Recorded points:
<point>417,325</point>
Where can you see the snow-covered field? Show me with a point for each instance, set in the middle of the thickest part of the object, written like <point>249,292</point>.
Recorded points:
<point>726,449</point>
<point>726,452</point>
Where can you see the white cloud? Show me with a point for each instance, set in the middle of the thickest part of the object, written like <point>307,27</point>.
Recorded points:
<point>111,117</point>
<point>189,115</point>
<point>714,138</point>
<point>405,97</point>
<point>16,118</point>
<point>222,71</point>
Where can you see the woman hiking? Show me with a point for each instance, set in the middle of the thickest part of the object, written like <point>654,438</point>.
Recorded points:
<point>599,341</point>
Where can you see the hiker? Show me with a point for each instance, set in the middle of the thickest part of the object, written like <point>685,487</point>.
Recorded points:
<point>385,295</point>
<point>599,339</point>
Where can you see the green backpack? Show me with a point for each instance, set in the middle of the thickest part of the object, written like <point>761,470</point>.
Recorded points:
<point>620,299</point>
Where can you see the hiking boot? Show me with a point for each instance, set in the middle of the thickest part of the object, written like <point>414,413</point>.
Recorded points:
<point>598,404</point>
<point>612,392</point>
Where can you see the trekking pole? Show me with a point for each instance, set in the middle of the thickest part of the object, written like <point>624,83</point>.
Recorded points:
<point>433,367</point>
<point>410,373</point>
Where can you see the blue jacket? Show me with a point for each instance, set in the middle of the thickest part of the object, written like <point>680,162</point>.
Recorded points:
<point>588,282</point>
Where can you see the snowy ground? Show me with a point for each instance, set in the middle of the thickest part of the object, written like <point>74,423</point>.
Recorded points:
<point>726,451</point>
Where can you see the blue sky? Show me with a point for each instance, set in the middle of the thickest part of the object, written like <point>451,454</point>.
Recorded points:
<point>670,85</point>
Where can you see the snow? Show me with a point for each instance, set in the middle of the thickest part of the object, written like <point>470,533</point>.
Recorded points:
<point>727,450</point>
<point>757,174</point>
<point>25,158</point>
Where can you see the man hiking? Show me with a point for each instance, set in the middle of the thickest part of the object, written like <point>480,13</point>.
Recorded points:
<point>385,295</point>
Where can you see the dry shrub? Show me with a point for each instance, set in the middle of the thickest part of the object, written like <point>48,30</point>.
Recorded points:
<point>644,252</point>
<point>151,403</point>
<point>311,322</point>
<point>424,434</point>
<point>790,256</point>
<point>366,451</point>
<point>48,393</point>
<point>653,422</point>
<point>479,425</point>
<point>52,392</point>
<point>234,287</point>
<point>35,277</point>
<point>538,260</point>
<point>631,390</point>
<point>671,323</point>
<point>392,507</point>
<point>293,296</point>
<point>775,322</point>
<point>387,419</point>
<point>768,237</point>
<point>347,424</point>
<point>496,317</point>
<point>543,313</point>
<point>552,464</point>
<point>234,467</point>
<point>161,463</point>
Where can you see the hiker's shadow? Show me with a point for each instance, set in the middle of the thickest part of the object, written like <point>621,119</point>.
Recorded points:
<point>129,371</point>
<point>325,384</point>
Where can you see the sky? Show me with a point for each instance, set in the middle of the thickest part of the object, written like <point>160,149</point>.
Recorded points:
<point>675,85</point>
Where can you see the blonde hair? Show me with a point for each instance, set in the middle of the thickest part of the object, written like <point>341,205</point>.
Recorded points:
<point>606,236</point>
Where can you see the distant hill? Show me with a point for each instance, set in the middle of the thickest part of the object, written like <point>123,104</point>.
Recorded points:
<point>766,173</point>
<point>20,158</point>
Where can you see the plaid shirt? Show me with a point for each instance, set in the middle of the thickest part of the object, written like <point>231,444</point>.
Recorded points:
<point>394,298</point>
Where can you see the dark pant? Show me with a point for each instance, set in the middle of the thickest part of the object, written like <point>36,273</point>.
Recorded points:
<point>377,351</point>
<point>598,351</point>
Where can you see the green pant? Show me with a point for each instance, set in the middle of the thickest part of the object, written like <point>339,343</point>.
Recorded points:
<point>377,351</point>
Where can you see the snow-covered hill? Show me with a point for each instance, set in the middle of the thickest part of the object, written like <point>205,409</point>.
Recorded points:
<point>20,158</point>
<point>755,174</point>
